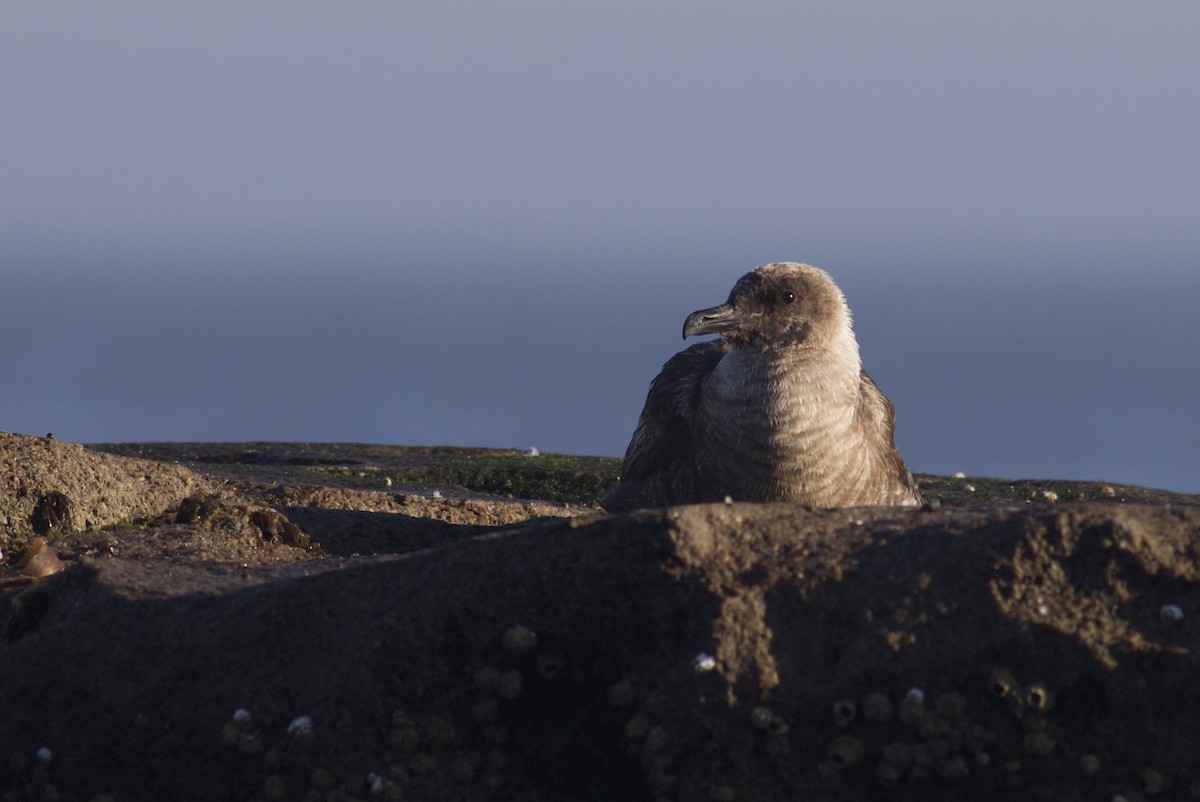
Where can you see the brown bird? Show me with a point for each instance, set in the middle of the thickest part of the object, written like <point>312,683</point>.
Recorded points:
<point>778,409</point>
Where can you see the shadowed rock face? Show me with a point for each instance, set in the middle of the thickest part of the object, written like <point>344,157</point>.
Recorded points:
<point>745,651</point>
<point>779,409</point>
<point>741,651</point>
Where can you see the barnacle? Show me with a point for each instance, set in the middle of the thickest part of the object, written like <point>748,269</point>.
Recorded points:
<point>622,694</point>
<point>656,739</point>
<point>1171,613</point>
<point>768,721</point>
<point>911,709</point>
<point>898,754</point>
<point>322,779</point>
<point>405,739</point>
<point>955,768</point>
<point>519,639</point>
<point>1039,697</point>
<point>551,664</point>
<point>845,751</point>
<point>1152,781</point>
<point>844,711</point>
<point>1001,682</point>
<point>250,744</point>
<point>887,774</point>
<point>1038,743</point>
<point>510,685</point>
<point>495,735</point>
<point>951,705</point>
<point>876,707</point>
<point>301,729</point>
<point>274,788</point>
<point>487,679</point>
<point>423,763</point>
<point>485,710</point>
<point>440,732</point>
<point>637,727</point>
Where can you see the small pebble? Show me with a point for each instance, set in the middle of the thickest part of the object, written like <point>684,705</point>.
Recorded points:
<point>241,716</point>
<point>703,663</point>
<point>1171,613</point>
<point>45,755</point>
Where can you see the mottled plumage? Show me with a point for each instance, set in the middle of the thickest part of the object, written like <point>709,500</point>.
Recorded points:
<point>779,409</point>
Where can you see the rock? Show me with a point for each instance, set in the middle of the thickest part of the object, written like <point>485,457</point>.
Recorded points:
<point>131,670</point>
<point>49,486</point>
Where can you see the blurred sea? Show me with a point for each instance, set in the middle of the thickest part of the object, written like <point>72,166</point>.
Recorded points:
<point>1067,374</point>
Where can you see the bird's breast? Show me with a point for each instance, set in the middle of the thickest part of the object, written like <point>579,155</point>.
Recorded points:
<point>777,431</point>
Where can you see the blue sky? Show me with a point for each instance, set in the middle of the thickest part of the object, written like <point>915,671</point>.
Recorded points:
<point>430,196</point>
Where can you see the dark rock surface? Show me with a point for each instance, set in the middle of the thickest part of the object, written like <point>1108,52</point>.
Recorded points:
<point>717,652</point>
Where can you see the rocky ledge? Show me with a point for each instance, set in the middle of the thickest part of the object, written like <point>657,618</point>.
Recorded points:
<point>243,626</point>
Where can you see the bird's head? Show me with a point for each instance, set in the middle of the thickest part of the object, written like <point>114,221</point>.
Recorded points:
<point>777,305</point>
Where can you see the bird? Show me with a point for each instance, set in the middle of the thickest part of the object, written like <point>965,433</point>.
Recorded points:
<point>779,408</point>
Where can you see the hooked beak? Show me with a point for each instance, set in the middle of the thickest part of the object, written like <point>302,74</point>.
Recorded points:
<point>710,321</point>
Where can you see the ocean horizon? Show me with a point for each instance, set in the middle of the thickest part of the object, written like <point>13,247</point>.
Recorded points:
<point>1059,373</point>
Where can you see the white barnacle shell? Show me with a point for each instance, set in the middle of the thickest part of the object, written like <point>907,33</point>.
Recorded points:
<point>533,452</point>
<point>703,663</point>
<point>44,755</point>
<point>301,725</point>
<point>241,716</point>
<point>916,696</point>
<point>437,494</point>
<point>375,783</point>
<point>1171,613</point>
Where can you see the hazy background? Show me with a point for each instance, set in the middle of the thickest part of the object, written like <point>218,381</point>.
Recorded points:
<point>484,223</point>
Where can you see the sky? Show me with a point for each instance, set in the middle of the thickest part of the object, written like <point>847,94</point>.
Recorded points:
<point>483,223</point>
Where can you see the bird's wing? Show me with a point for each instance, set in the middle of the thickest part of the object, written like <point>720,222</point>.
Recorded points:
<point>878,418</point>
<point>659,466</point>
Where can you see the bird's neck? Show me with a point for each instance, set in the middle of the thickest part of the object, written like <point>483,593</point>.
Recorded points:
<point>826,374</point>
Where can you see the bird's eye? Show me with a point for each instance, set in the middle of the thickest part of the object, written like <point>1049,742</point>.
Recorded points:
<point>788,297</point>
